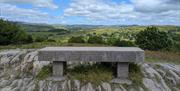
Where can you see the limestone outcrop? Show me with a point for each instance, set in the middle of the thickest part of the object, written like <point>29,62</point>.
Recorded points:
<point>19,68</point>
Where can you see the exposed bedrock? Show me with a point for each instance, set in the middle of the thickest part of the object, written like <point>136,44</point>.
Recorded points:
<point>19,68</point>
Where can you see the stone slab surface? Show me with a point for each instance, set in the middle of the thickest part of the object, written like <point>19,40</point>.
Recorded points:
<point>58,68</point>
<point>98,54</point>
<point>91,49</point>
<point>122,70</point>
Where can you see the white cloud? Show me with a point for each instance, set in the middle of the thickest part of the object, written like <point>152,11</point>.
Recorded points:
<point>135,12</point>
<point>12,12</point>
<point>144,11</point>
<point>97,9</point>
<point>36,3</point>
<point>156,5</point>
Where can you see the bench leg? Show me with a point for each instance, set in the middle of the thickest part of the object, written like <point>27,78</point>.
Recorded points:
<point>122,69</point>
<point>122,73</point>
<point>58,68</point>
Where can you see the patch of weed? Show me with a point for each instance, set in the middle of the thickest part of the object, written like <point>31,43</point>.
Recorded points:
<point>45,72</point>
<point>94,73</point>
<point>135,74</point>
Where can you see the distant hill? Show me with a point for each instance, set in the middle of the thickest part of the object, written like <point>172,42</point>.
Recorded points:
<point>31,27</point>
<point>90,27</point>
<point>34,27</point>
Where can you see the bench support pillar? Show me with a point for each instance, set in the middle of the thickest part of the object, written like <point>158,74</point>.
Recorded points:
<point>122,73</point>
<point>122,69</point>
<point>58,68</point>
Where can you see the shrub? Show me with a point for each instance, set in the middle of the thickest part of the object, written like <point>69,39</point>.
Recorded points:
<point>77,39</point>
<point>135,74</point>
<point>176,36</point>
<point>95,39</point>
<point>153,39</point>
<point>111,40</point>
<point>29,39</point>
<point>124,43</point>
<point>94,73</point>
<point>50,35</point>
<point>176,47</point>
<point>40,38</point>
<point>58,30</point>
<point>50,40</point>
<point>10,33</point>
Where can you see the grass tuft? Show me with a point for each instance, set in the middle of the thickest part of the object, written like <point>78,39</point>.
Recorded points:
<point>162,56</point>
<point>94,73</point>
<point>45,72</point>
<point>135,74</point>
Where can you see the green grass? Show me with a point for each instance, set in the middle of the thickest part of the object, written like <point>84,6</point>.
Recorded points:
<point>178,85</point>
<point>98,73</point>
<point>162,56</point>
<point>45,72</point>
<point>38,45</point>
<point>95,73</point>
<point>135,74</point>
<point>30,46</point>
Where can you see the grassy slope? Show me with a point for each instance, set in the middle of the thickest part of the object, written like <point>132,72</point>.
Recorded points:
<point>35,27</point>
<point>162,56</point>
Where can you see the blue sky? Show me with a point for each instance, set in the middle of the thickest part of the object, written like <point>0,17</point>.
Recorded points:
<point>93,12</point>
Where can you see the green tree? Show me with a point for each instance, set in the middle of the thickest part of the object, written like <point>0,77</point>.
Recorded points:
<point>95,39</point>
<point>153,39</point>
<point>10,33</point>
<point>40,38</point>
<point>77,39</point>
<point>124,43</point>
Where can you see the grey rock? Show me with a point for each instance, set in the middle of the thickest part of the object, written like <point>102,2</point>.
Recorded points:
<point>31,88</point>
<point>14,78</point>
<point>123,89</point>
<point>99,88</point>
<point>117,89</point>
<point>30,56</point>
<point>6,89</point>
<point>141,89</point>
<point>158,80</point>
<point>77,85</point>
<point>42,86</point>
<point>14,83</point>
<point>176,89</point>
<point>175,76</point>
<point>151,85</point>
<point>132,89</point>
<point>69,85</point>
<point>87,87</point>
<point>121,81</point>
<point>4,83</point>
<point>106,86</point>
<point>63,86</point>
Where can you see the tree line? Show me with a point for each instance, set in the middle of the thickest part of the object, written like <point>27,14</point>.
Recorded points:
<point>11,33</point>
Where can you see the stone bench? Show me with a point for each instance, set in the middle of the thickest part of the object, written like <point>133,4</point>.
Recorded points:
<point>121,55</point>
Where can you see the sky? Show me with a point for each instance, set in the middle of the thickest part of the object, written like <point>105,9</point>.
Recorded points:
<point>92,12</point>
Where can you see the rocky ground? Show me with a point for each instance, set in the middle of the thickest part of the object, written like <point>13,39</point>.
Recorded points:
<point>19,68</point>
